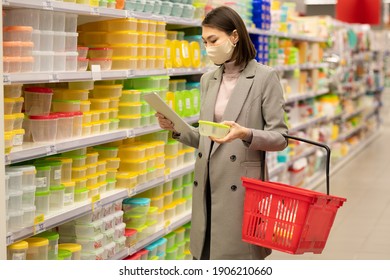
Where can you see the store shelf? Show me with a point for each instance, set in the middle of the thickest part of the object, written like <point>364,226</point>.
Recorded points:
<point>31,150</point>
<point>286,35</point>
<point>161,231</point>
<point>68,213</point>
<point>298,97</point>
<point>348,134</point>
<point>102,12</point>
<point>356,112</point>
<point>55,77</point>
<point>306,124</point>
<point>304,66</point>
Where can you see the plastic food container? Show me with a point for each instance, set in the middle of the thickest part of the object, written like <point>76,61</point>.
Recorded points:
<point>82,64</point>
<point>55,170</point>
<point>13,90</point>
<point>69,192</point>
<point>15,178</point>
<point>81,85</point>
<point>92,158</point>
<point>71,61</point>
<point>15,200</point>
<point>107,91</point>
<point>53,238</point>
<point>213,129</point>
<point>42,178</point>
<point>73,247</point>
<point>124,62</point>
<point>129,121</point>
<point>134,221</point>
<point>121,50</point>
<point>18,33</point>
<point>28,197</point>
<point>42,202</point>
<point>104,63</point>
<point>64,255</point>
<point>8,142</point>
<point>133,165</point>
<point>129,108</point>
<point>90,217</point>
<point>57,194</point>
<point>100,53</point>
<point>17,251</point>
<point>38,248</point>
<point>37,100</point>
<point>138,206</point>
<point>170,211</point>
<point>81,195</point>
<point>97,254</point>
<point>89,229</point>
<point>122,37</point>
<point>66,105</point>
<point>126,179</point>
<point>15,220</point>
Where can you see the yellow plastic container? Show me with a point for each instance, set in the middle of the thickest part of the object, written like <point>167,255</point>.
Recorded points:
<point>124,63</point>
<point>38,248</point>
<point>120,50</point>
<point>129,24</point>
<point>168,54</point>
<point>70,94</point>
<point>85,107</point>
<point>133,165</point>
<point>8,142</point>
<point>185,54</point>
<point>137,152</point>
<point>107,91</point>
<point>122,37</point>
<point>126,179</point>
<point>99,103</point>
<point>195,54</point>
<point>9,121</point>
<point>17,251</point>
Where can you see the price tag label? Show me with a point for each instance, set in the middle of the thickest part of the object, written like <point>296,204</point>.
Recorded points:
<point>53,78</point>
<point>47,5</point>
<point>51,150</point>
<point>7,160</point>
<point>5,3</point>
<point>10,239</point>
<point>131,191</point>
<point>130,133</point>
<point>39,224</point>
<point>167,226</point>
<point>95,202</point>
<point>6,79</point>
<point>95,11</point>
<point>96,72</point>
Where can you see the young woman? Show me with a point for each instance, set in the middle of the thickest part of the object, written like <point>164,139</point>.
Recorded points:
<point>248,97</point>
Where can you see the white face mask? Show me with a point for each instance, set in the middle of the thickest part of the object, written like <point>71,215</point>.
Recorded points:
<point>221,53</point>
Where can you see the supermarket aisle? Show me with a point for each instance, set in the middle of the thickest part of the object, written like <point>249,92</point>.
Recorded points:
<point>362,227</point>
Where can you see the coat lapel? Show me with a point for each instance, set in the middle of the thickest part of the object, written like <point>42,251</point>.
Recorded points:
<point>239,95</point>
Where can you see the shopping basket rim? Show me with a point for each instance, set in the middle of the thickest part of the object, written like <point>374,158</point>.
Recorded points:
<point>287,188</point>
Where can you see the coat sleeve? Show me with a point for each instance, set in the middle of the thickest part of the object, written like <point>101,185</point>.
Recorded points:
<point>272,106</point>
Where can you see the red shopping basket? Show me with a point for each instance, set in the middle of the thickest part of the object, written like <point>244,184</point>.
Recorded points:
<point>288,218</point>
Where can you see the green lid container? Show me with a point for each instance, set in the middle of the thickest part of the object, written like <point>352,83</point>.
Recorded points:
<point>64,254</point>
<point>50,235</point>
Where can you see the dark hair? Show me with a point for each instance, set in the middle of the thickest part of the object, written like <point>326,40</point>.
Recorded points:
<point>227,20</point>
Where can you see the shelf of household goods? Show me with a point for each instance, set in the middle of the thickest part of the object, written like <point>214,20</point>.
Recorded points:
<point>79,209</point>
<point>299,37</point>
<point>311,94</point>
<point>162,230</point>
<point>35,150</point>
<point>82,9</point>
<point>55,77</point>
<point>310,122</point>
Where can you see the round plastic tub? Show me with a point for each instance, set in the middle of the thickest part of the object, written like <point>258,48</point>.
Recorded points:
<point>64,125</point>
<point>17,251</point>
<point>66,105</point>
<point>171,253</point>
<point>42,178</point>
<point>92,158</point>
<point>15,179</point>
<point>82,64</point>
<point>170,211</point>
<point>28,197</point>
<point>134,221</point>
<point>53,238</point>
<point>82,51</point>
<point>81,85</point>
<point>104,63</point>
<point>55,170</point>
<point>73,247</point>
<point>70,94</point>
<point>37,100</point>
<point>15,200</point>
<point>130,96</point>
<point>38,248</point>
<point>69,192</point>
<point>57,194</point>
<point>81,195</point>
<point>107,91</point>
<point>79,172</point>
<point>89,229</point>
<point>28,216</point>
<point>99,104</point>
<point>13,90</point>
<point>12,49</point>
<point>130,108</point>
<point>122,50</point>
<point>138,206</point>
<point>64,255</point>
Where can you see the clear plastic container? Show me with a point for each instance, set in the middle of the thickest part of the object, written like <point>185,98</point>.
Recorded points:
<point>90,217</point>
<point>69,192</point>
<point>37,100</point>
<point>125,62</point>
<point>12,49</point>
<point>28,197</point>
<point>17,33</point>
<point>82,64</point>
<point>89,229</point>
<point>71,42</point>
<point>71,23</point>
<point>66,105</point>
<point>104,63</point>
<point>47,41</point>
<point>81,195</point>
<point>81,85</point>
<point>17,251</point>
<point>134,221</point>
<point>59,39</point>
<point>13,91</point>
<point>71,61</point>
<point>53,238</point>
<point>42,202</point>
<point>92,158</point>
<point>55,170</point>
<point>57,194</point>
<point>122,37</point>
<point>38,248</point>
<point>105,53</point>
<point>64,255</point>
<point>42,178</point>
<point>15,200</point>
<point>90,243</point>
<point>15,178</point>
<point>121,50</point>
<point>97,254</point>
<point>64,126</point>
<point>125,179</point>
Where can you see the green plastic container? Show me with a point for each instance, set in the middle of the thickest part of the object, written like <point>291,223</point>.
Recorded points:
<point>64,254</point>
<point>53,243</point>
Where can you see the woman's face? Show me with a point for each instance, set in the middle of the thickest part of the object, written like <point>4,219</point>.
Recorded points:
<point>214,37</point>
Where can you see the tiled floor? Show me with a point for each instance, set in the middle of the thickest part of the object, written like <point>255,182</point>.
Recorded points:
<point>361,230</point>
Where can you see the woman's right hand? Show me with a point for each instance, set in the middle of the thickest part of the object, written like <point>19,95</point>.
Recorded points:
<point>164,122</point>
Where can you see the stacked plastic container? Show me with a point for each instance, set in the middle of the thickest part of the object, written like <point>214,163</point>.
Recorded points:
<point>133,43</point>
<point>20,191</point>
<point>184,97</point>
<point>13,117</point>
<point>262,14</point>
<point>100,233</point>
<point>179,8</point>
<point>53,35</point>
<point>133,110</point>
<point>261,45</point>
<point>181,53</point>
<point>177,245</point>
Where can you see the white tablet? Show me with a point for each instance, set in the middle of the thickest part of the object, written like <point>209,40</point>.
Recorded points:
<point>160,106</point>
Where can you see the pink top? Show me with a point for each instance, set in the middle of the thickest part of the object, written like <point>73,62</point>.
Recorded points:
<point>229,80</point>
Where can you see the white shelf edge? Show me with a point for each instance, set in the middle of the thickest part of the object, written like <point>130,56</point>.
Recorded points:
<point>297,97</point>
<point>163,230</point>
<point>286,35</point>
<point>69,213</point>
<point>305,66</point>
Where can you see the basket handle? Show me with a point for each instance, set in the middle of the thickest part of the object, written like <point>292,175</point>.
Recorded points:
<point>262,173</point>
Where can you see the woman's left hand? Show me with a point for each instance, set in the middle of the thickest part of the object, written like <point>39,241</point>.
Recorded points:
<point>236,132</point>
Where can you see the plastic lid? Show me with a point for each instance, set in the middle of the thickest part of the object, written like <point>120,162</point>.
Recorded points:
<point>67,101</point>
<point>18,245</point>
<point>27,59</point>
<point>12,44</point>
<point>64,254</point>
<point>49,162</point>
<point>18,28</point>
<point>100,49</point>
<point>50,235</point>
<point>37,241</point>
<point>28,168</point>
<point>39,90</point>
<point>42,167</point>
<point>82,47</point>
<point>214,124</point>
<point>9,100</point>
<point>57,188</point>
<point>69,184</point>
<point>136,200</point>
<point>82,59</point>
<point>100,59</point>
<point>105,148</point>
<point>73,247</point>
<point>81,190</point>
<point>48,117</point>
<point>44,193</point>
